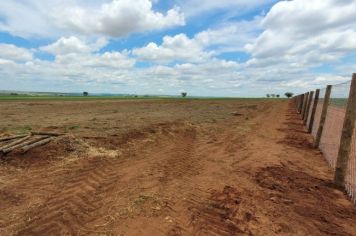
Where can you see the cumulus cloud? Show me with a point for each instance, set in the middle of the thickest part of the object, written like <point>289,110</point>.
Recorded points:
<point>114,18</point>
<point>117,18</point>
<point>194,8</point>
<point>298,45</point>
<point>176,48</point>
<point>230,36</point>
<point>73,45</point>
<point>311,31</point>
<point>14,53</point>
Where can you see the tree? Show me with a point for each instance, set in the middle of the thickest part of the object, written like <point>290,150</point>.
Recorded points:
<point>289,94</point>
<point>184,94</point>
<point>277,95</point>
<point>267,95</point>
<point>85,94</point>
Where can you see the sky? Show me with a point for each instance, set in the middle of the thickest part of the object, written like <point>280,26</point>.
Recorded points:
<point>231,48</point>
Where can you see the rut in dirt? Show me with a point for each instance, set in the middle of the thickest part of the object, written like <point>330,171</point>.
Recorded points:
<point>73,206</point>
<point>87,193</point>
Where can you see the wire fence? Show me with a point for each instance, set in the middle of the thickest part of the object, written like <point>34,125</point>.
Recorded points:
<point>350,182</point>
<point>332,129</point>
<point>331,136</point>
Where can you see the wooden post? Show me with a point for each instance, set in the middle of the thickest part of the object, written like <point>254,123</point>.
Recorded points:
<point>315,105</point>
<point>311,94</point>
<point>301,103</point>
<point>346,136</point>
<point>305,105</point>
<point>323,116</point>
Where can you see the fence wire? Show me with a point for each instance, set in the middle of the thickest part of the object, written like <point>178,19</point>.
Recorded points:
<point>351,171</point>
<point>331,136</point>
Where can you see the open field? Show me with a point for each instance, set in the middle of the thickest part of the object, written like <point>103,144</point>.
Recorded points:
<point>167,167</point>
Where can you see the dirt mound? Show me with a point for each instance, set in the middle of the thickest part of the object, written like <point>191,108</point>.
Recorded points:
<point>298,193</point>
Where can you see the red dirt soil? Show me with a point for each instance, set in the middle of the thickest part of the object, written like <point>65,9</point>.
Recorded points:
<point>249,174</point>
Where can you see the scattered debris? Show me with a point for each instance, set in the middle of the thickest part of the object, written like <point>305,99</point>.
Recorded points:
<point>37,144</point>
<point>47,133</point>
<point>26,142</point>
<point>12,137</point>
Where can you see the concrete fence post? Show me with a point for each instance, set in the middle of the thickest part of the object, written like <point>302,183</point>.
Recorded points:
<point>305,105</point>
<point>346,136</point>
<point>311,95</point>
<point>315,105</point>
<point>301,103</point>
<point>298,101</point>
<point>323,116</point>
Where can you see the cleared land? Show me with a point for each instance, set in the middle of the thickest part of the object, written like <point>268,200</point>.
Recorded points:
<point>167,167</point>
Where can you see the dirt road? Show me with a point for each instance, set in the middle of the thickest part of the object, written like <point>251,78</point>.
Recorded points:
<point>251,173</point>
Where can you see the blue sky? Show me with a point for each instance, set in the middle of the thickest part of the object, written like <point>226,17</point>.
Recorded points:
<point>206,48</point>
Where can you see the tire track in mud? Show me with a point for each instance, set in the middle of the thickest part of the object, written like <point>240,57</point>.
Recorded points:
<point>84,195</point>
<point>179,162</point>
<point>219,214</point>
<point>70,209</point>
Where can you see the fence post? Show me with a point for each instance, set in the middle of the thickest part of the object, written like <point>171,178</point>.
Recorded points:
<point>323,116</point>
<point>312,116</point>
<point>298,104</point>
<point>311,94</point>
<point>301,103</point>
<point>346,136</point>
<point>305,105</point>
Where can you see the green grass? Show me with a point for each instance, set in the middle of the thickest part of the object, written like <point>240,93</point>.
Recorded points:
<point>339,102</point>
<point>25,129</point>
<point>79,98</point>
<point>60,98</point>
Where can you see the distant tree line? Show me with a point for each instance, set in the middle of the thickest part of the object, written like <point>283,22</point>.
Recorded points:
<point>272,95</point>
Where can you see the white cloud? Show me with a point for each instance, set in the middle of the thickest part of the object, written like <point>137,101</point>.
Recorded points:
<point>197,7</point>
<point>310,31</point>
<point>73,45</point>
<point>12,52</point>
<point>231,36</point>
<point>117,18</point>
<point>176,48</point>
<point>114,18</point>
<point>227,37</point>
<point>289,47</point>
<point>106,61</point>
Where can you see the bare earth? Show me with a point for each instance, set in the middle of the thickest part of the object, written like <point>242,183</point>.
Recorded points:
<point>223,167</point>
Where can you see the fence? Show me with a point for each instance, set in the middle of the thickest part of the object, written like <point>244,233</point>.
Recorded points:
<point>329,115</point>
